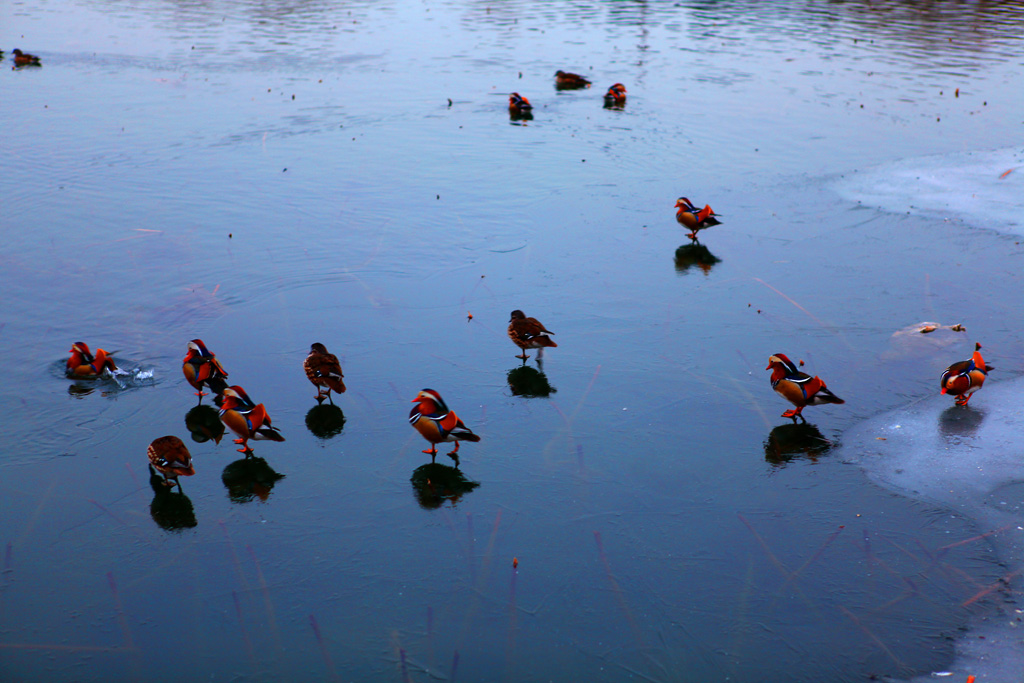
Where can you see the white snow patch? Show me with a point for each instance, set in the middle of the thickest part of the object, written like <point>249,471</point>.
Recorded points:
<point>973,187</point>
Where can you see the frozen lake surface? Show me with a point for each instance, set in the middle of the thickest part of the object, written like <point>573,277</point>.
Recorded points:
<point>264,175</point>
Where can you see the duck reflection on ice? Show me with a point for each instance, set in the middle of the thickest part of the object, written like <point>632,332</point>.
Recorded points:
<point>795,440</point>
<point>203,423</point>
<point>434,483</point>
<point>960,421</point>
<point>325,420</point>
<point>248,478</point>
<point>80,389</point>
<point>528,382</point>
<point>696,254</point>
<point>171,509</point>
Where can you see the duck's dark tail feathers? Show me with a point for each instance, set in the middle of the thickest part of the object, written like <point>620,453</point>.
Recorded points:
<point>269,433</point>
<point>217,385</point>
<point>827,396</point>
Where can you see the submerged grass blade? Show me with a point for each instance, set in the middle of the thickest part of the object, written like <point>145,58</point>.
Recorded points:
<point>328,663</point>
<point>249,652</point>
<point>870,634</point>
<point>267,602</point>
<point>617,590</point>
<point>1003,582</point>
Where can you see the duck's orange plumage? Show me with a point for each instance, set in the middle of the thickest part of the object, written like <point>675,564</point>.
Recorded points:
<point>517,103</point>
<point>693,218</point>
<point>437,424</point>
<point>202,367</point>
<point>24,58</point>
<point>247,419</point>
<point>566,80</point>
<point>84,364</point>
<point>324,371</point>
<point>616,95</point>
<point>528,333</point>
<point>964,378</point>
<point>169,457</point>
<point>797,387</point>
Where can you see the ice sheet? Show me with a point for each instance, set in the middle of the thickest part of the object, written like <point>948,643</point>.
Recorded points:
<point>971,460</point>
<point>983,189</point>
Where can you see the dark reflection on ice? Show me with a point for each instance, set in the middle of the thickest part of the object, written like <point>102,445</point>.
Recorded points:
<point>325,421</point>
<point>249,478</point>
<point>695,255</point>
<point>203,423</point>
<point>434,484</point>
<point>518,118</point>
<point>529,382</point>
<point>171,509</point>
<point>960,421</point>
<point>794,441</point>
<point>81,388</point>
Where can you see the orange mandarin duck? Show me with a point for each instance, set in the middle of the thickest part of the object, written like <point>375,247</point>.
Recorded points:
<point>247,419</point>
<point>83,364</point>
<point>797,387</point>
<point>202,367</point>
<point>695,219</point>
<point>437,424</point>
<point>517,104</point>
<point>568,81</point>
<point>964,378</point>
<point>528,333</point>
<point>24,59</point>
<point>170,459</point>
<point>324,371</point>
<point>616,95</point>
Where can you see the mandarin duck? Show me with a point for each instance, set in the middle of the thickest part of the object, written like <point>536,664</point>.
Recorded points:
<point>170,459</point>
<point>517,104</point>
<point>797,387</point>
<point>567,81</point>
<point>202,367</point>
<point>324,371</point>
<point>83,364</point>
<point>616,95</point>
<point>695,219</point>
<point>24,59</point>
<point>437,424</point>
<point>528,333</point>
<point>964,378</point>
<point>247,419</point>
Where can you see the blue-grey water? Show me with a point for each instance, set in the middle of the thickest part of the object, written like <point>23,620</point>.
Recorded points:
<point>267,175</point>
